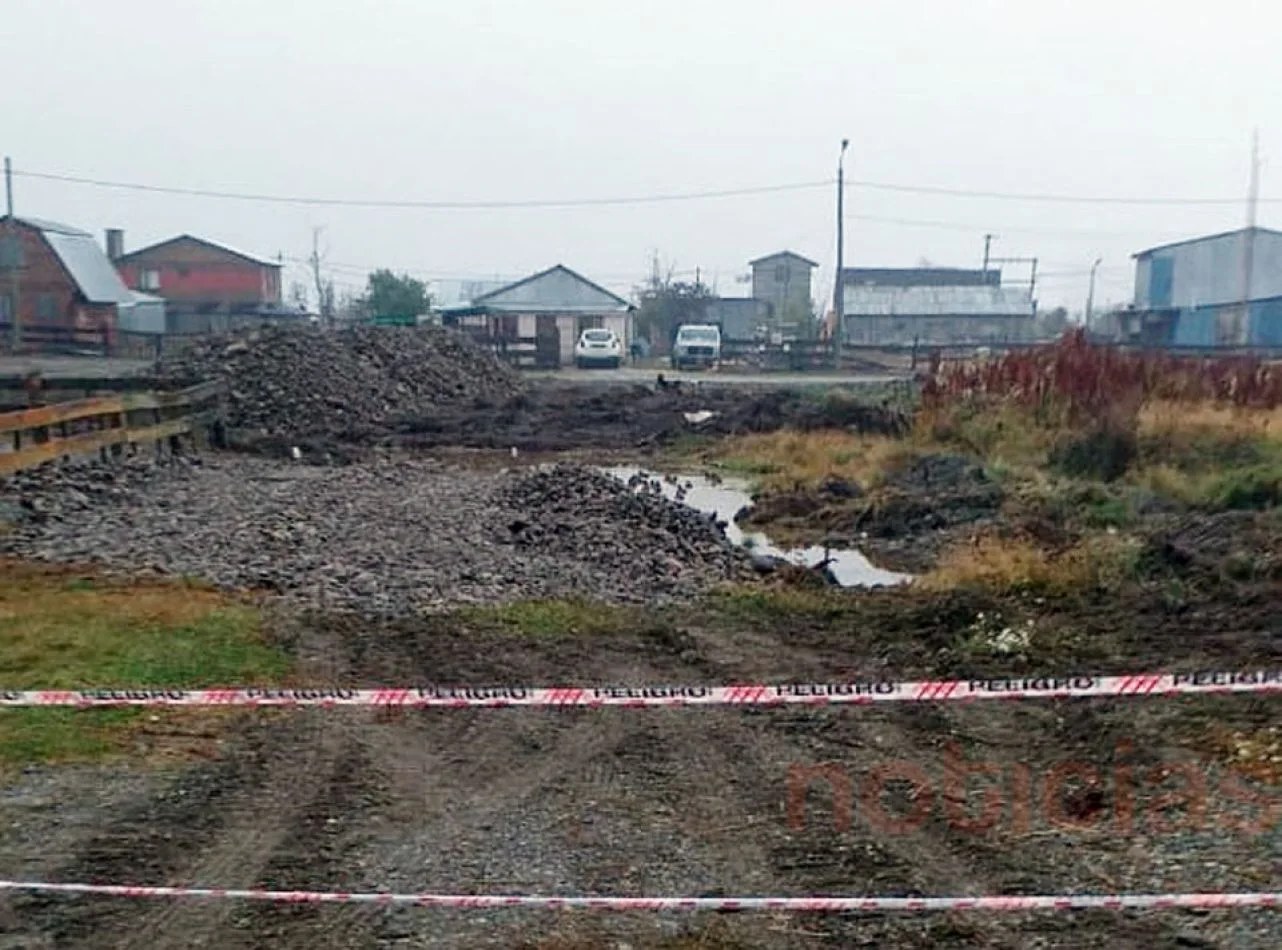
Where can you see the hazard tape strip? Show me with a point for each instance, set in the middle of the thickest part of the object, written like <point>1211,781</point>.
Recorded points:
<point>813,693</point>
<point>811,904</point>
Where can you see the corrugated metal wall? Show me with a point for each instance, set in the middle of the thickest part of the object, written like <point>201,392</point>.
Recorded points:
<point>1208,272</point>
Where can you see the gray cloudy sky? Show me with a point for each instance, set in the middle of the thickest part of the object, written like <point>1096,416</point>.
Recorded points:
<point>510,100</point>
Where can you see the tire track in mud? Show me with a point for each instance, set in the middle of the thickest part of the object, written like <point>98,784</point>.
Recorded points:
<point>318,851</point>
<point>215,825</point>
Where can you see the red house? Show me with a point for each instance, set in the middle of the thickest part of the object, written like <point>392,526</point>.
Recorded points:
<point>199,277</point>
<point>68,292</point>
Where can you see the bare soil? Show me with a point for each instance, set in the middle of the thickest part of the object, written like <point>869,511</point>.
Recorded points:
<point>680,801</point>
<point>557,417</point>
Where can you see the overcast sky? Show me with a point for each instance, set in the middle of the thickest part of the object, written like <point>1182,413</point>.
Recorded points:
<point>478,100</point>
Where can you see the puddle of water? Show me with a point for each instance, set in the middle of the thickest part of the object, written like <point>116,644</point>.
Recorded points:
<point>730,496</point>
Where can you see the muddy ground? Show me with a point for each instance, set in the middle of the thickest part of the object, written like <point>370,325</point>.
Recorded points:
<point>664,802</point>
<point>657,802</point>
<point>555,417</point>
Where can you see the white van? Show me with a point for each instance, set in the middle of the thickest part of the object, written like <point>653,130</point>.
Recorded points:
<point>696,344</point>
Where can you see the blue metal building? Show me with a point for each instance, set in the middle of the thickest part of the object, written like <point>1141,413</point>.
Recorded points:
<point>1220,290</point>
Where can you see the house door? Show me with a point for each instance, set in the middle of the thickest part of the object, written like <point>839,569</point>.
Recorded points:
<point>547,343</point>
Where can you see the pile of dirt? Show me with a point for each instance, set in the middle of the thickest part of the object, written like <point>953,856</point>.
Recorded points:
<point>584,514</point>
<point>1230,545</point>
<point>901,524</point>
<point>295,382</point>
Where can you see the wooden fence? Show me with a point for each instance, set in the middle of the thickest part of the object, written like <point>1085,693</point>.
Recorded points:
<point>31,437</point>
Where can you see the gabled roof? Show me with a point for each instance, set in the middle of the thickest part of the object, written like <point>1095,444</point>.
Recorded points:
<point>564,291</point>
<point>83,260</point>
<point>1208,237</point>
<point>252,258</point>
<point>778,254</point>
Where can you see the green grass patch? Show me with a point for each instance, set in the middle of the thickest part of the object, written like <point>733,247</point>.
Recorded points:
<point>773,604</point>
<point>65,632</point>
<point>543,618</point>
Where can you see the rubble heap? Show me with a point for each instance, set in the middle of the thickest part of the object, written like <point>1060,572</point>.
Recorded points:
<point>578,512</point>
<point>302,381</point>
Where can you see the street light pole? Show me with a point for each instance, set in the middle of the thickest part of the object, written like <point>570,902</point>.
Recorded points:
<point>1090,295</point>
<point>838,304</point>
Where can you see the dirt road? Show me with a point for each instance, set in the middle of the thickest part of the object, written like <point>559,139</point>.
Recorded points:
<point>630,802</point>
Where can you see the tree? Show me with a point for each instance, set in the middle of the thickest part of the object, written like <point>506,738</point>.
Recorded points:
<point>298,295</point>
<point>390,296</point>
<point>666,304</point>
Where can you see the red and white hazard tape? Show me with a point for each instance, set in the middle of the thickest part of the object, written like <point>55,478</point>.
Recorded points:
<point>811,904</point>
<point>816,694</point>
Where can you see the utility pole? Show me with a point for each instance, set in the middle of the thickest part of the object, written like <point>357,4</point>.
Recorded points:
<point>988,244</point>
<point>838,301</point>
<point>1090,294</point>
<point>322,303</point>
<point>1248,240</point>
<point>12,257</point>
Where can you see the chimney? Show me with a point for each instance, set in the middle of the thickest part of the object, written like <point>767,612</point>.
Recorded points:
<point>115,243</point>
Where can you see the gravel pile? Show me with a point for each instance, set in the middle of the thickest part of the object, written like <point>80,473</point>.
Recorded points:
<point>301,381</point>
<point>386,536</point>
<point>72,489</point>
<point>582,513</point>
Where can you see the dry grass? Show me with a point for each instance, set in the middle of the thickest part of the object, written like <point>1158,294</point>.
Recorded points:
<point>1182,422</point>
<point>60,628</point>
<point>787,459</point>
<point>1257,754</point>
<point>1013,564</point>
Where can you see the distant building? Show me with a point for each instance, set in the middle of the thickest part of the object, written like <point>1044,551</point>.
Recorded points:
<point>741,319</point>
<point>782,280</point>
<point>550,308</point>
<point>1194,293</point>
<point>207,287</point>
<point>933,306</point>
<point>68,292</point>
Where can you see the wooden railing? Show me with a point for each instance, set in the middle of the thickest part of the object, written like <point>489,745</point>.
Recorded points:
<point>31,437</point>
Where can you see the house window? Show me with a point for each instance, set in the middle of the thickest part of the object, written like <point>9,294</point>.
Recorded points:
<point>6,308</point>
<point>46,308</point>
<point>149,280</point>
<point>781,273</point>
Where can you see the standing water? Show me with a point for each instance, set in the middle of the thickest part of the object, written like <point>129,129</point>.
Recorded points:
<point>728,497</point>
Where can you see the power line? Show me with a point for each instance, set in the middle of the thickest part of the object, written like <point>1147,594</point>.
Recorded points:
<point>426,205</point>
<point>631,199</point>
<point>1031,196</point>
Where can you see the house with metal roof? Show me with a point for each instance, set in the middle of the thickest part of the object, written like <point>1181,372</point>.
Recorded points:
<point>68,294</point>
<point>206,286</point>
<point>541,316</point>
<point>1220,290</point>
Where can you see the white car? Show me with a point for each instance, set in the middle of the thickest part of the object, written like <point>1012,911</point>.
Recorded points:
<point>696,344</point>
<point>598,347</point>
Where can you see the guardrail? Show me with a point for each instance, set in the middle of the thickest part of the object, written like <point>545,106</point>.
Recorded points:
<point>31,437</point>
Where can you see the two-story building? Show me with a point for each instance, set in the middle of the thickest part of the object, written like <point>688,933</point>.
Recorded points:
<point>207,287</point>
<point>782,280</point>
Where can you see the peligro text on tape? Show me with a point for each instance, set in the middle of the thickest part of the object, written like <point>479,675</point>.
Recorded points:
<point>758,694</point>
<point>1049,902</point>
